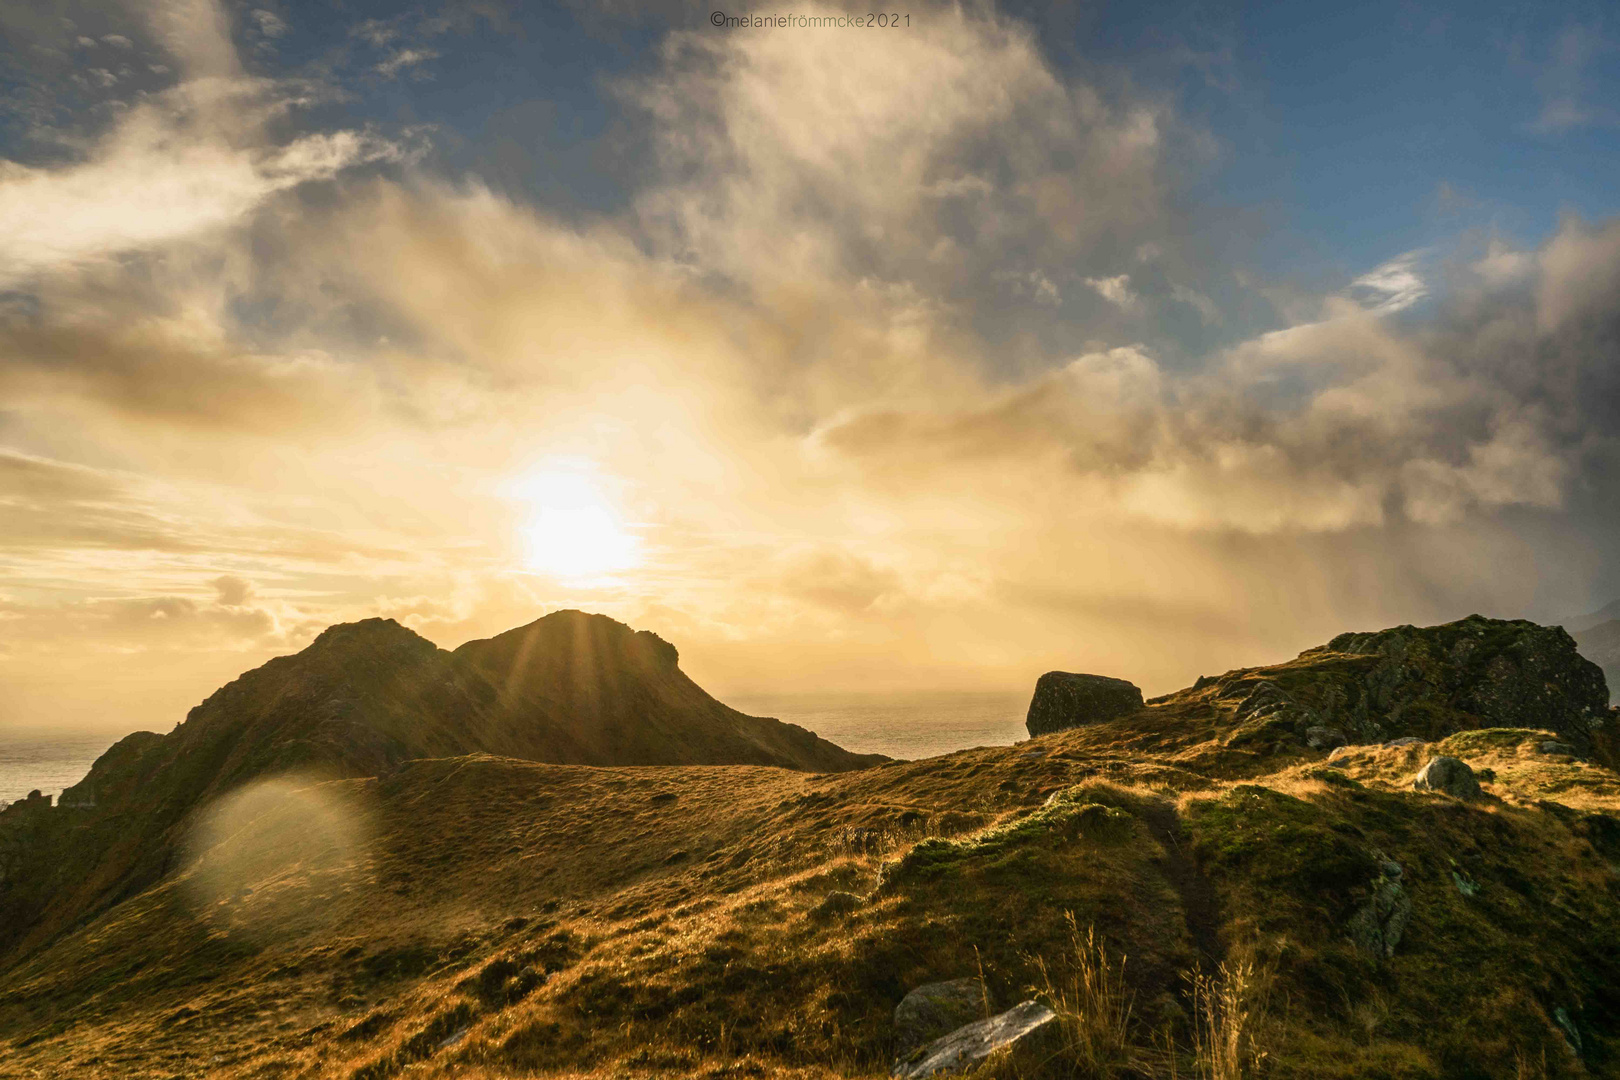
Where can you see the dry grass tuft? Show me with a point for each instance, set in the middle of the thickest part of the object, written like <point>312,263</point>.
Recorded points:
<point>1089,995</point>
<point>1229,1010</point>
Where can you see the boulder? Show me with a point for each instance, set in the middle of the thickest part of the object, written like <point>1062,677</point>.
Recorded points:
<point>935,1009</point>
<point>1559,748</point>
<point>1324,738</point>
<point>1404,740</point>
<point>1450,776</point>
<point>971,1044</point>
<point>1064,699</point>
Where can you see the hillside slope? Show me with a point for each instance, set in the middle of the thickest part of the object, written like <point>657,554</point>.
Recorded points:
<point>498,918</point>
<point>359,701</point>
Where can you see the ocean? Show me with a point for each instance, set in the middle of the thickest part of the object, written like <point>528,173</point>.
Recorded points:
<point>901,725</point>
<point>915,724</point>
<point>49,761</point>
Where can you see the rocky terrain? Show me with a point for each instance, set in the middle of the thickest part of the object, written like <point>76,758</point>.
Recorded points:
<point>1397,855</point>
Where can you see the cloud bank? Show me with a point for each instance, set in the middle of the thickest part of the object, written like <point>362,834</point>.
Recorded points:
<point>910,363</point>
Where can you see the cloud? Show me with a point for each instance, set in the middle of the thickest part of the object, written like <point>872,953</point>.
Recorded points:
<point>1580,274</point>
<point>838,360</point>
<point>1394,286</point>
<point>197,33</point>
<point>232,591</point>
<point>1562,84</point>
<point>926,161</point>
<point>174,167</point>
<point>177,163</point>
<point>269,23</point>
<point>402,59</point>
<point>1116,290</point>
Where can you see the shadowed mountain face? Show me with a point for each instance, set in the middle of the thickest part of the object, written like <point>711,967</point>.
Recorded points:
<point>364,698</point>
<point>1601,645</point>
<point>627,702</point>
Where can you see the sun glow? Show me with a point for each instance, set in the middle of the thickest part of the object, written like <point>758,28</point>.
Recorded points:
<point>574,533</point>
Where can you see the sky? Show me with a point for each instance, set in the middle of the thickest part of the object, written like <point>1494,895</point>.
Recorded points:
<point>1144,340</point>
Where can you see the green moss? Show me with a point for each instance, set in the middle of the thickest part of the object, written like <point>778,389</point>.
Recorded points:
<point>1490,740</point>
<point>1336,777</point>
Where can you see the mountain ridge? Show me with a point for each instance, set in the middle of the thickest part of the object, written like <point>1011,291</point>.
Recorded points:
<point>362,699</point>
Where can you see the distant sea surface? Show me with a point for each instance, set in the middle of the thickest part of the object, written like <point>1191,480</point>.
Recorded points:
<point>32,759</point>
<point>902,725</point>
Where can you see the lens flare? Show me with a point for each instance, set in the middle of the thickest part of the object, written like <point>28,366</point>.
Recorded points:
<point>277,855</point>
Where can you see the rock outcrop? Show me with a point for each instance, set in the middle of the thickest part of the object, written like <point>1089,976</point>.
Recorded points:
<point>1449,776</point>
<point>1421,683</point>
<point>971,1044</point>
<point>1377,926</point>
<point>1065,699</point>
<point>934,1010</point>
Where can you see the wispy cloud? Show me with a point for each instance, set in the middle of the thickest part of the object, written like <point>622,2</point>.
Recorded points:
<point>180,162</point>
<point>1116,290</point>
<point>1566,102</point>
<point>403,59</point>
<point>1395,285</point>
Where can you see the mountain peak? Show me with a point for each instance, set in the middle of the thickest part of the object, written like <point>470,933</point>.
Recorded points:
<point>578,636</point>
<point>369,635</point>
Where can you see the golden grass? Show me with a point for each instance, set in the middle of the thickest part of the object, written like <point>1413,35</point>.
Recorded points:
<point>581,922</point>
<point>1229,1007</point>
<point>1089,993</point>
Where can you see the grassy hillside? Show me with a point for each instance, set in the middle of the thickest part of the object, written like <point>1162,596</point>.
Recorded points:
<point>479,916</point>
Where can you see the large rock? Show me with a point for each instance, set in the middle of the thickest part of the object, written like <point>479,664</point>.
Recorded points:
<point>1508,673</point>
<point>1064,699</point>
<point>1450,776</point>
<point>1423,683</point>
<point>933,1010</point>
<point>969,1045</point>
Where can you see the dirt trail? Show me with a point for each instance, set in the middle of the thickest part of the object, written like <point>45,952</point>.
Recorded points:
<point>1199,902</point>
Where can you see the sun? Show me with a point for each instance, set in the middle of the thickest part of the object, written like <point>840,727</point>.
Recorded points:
<point>573,532</point>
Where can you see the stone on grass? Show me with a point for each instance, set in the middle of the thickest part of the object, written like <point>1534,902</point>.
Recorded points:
<point>971,1044</point>
<point>1450,776</point>
<point>934,1009</point>
<point>1064,699</point>
<point>1559,748</point>
<point>1405,740</point>
<point>1324,738</point>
